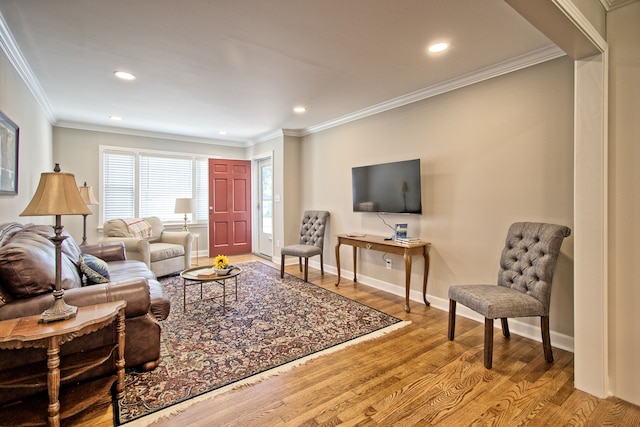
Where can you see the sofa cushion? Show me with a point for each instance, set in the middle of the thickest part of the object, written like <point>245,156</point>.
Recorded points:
<point>95,269</point>
<point>160,251</point>
<point>27,263</point>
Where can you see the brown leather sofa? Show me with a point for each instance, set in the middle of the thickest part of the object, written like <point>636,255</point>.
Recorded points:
<point>27,279</point>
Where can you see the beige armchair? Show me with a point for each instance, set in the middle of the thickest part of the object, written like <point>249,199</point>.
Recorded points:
<point>164,252</point>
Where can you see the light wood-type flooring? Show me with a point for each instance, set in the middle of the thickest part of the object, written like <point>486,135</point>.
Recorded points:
<point>413,376</point>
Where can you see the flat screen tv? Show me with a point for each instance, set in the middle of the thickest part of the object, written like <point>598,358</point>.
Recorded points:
<point>388,188</point>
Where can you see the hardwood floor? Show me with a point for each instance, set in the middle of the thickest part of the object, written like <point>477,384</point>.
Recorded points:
<point>413,376</point>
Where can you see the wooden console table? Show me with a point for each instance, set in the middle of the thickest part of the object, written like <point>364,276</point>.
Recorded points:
<point>378,243</point>
<point>26,332</point>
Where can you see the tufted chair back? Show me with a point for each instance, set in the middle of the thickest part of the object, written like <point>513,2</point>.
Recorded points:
<point>529,258</point>
<point>312,228</point>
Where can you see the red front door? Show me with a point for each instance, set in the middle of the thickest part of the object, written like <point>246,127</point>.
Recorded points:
<point>229,207</point>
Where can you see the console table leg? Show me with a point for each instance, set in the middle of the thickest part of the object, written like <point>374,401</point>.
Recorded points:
<point>424,278</point>
<point>338,261</point>
<point>355,257</point>
<point>407,272</point>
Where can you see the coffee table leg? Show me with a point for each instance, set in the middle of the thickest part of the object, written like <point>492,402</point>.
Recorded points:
<point>184,295</point>
<point>224,297</point>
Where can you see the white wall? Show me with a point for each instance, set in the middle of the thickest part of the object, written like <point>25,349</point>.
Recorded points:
<point>34,156</point>
<point>491,154</point>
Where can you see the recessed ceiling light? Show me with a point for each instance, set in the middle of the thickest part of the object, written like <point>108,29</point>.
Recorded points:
<point>438,47</point>
<point>124,75</point>
<point>116,118</point>
<point>222,132</point>
<point>299,109</point>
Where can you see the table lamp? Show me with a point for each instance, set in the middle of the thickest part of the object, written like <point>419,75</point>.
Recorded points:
<point>185,206</point>
<point>57,194</point>
<point>86,192</point>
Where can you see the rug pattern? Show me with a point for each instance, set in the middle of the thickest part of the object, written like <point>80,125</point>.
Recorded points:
<point>274,321</point>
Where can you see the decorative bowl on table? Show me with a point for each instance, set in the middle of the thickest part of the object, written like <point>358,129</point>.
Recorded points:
<point>223,271</point>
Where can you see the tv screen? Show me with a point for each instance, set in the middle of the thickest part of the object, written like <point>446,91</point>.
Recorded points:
<point>387,187</point>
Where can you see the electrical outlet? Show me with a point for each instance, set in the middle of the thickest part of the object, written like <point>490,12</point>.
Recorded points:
<point>388,261</point>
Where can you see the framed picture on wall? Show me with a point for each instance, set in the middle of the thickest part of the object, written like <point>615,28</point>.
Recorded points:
<point>9,135</point>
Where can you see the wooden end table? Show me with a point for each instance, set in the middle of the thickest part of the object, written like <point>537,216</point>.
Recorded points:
<point>27,332</point>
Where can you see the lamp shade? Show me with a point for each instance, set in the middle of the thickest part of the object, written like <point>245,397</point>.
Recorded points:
<point>57,194</point>
<point>86,192</point>
<point>185,205</point>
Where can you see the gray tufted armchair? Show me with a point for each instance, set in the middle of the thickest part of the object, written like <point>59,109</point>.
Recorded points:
<point>527,266</point>
<point>310,243</point>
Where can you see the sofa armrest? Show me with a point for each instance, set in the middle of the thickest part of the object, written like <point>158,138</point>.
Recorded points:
<point>108,252</point>
<point>134,291</point>
<point>135,248</point>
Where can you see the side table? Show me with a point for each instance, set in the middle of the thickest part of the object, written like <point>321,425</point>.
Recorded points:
<point>26,332</point>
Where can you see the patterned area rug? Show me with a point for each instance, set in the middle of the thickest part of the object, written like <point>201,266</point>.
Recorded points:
<point>274,323</point>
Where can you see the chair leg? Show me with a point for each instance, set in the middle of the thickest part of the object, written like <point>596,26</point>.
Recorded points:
<point>281,266</point>
<point>452,319</point>
<point>546,339</point>
<point>300,263</point>
<point>505,328</point>
<point>321,265</point>
<point>488,343</point>
<point>306,268</point>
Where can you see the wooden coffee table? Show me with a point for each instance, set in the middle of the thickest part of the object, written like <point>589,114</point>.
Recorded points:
<point>191,277</point>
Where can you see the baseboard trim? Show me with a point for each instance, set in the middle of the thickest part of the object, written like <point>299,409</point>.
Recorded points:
<point>559,340</point>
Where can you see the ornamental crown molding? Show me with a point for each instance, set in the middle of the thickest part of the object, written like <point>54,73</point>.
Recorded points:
<point>615,4</point>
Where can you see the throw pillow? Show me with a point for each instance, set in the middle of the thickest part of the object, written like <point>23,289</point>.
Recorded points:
<point>95,269</point>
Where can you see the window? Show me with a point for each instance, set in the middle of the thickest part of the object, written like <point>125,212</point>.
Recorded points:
<point>145,183</point>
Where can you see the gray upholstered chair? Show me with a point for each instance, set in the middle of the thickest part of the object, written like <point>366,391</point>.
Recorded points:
<point>527,266</point>
<point>310,243</point>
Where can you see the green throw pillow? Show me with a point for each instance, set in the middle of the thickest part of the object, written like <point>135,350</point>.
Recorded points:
<point>95,269</point>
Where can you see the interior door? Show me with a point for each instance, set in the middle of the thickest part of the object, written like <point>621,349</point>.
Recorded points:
<point>265,207</point>
<point>229,207</point>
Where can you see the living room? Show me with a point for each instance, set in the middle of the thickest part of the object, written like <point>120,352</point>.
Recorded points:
<point>491,153</point>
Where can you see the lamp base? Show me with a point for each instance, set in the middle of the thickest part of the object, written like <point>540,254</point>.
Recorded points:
<point>60,310</point>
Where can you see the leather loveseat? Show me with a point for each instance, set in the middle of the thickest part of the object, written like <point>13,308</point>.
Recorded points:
<point>27,279</point>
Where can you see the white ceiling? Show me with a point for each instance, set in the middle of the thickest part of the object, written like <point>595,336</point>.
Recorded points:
<point>203,66</point>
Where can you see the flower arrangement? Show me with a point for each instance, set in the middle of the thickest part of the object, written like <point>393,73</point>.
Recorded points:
<point>221,262</point>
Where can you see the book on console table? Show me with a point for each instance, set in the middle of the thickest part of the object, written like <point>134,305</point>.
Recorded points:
<point>408,241</point>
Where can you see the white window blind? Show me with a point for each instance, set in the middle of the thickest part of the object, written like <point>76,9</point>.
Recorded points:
<point>162,181</point>
<point>144,183</point>
<point>119,185</point>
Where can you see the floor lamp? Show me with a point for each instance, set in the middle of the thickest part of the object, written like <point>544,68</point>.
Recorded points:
<point>86,192</point>
<point>185,206</point>
<point>57,194</point>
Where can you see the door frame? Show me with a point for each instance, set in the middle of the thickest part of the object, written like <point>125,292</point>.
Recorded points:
<point>255,198</point>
